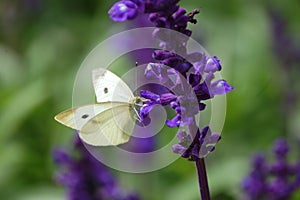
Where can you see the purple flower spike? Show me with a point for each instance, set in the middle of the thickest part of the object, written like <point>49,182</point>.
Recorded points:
<point>186,78</point>
<point>277,180</point>
<point>203,143</point>
<point>123,10</point>
<point>85,178</point>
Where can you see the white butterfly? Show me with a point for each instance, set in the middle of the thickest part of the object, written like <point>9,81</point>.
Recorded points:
<point>111,120</point>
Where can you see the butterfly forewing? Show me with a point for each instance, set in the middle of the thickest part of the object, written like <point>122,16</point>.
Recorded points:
<point>111,127</point>
<point>109,87</point>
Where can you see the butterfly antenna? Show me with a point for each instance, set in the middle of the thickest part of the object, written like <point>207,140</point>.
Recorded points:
<point>136,63</point>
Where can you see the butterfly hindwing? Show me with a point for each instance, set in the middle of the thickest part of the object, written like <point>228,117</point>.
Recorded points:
<point>111,127</point>
<point>77,117</point>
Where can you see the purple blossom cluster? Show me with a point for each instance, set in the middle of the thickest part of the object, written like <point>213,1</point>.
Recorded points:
<point>285,46</point>
<point>189,148</point>
<point>187,79</point>
<point>185,95</point>
<point>85,177</point>
<point>276,181</point>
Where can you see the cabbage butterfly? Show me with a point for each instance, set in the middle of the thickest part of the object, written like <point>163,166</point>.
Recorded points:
<point>111,120</point>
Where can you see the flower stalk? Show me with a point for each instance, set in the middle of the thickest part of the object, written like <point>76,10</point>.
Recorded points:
<point>202,179</point>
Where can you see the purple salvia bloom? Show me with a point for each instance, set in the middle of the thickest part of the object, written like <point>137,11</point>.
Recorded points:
<point>85,177</point>
<point>220,87</point>
<point>213,64</point>
<point>123,10</point>
<point>175,122</point>
<point>184,80</point>
<point>201,145</point>
<point>278,180</point>
<point>185,141</point>
<point>280,148</point>
<point>179,149</point>
<point>255,183</point>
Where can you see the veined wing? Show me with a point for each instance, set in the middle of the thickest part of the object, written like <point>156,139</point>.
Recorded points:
<point>111,127</point>
<point>109,87</point>
<point>76,118</point>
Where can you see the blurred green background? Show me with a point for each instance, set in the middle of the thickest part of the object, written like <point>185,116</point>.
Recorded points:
<point>43,42</point>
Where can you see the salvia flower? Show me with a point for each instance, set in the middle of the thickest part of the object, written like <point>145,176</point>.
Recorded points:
<point>197,148</point>
<point>187,79</point>
<point>86,178</point>
<point>186,95</point>
<point>123,10</point>
<point>277,180</point>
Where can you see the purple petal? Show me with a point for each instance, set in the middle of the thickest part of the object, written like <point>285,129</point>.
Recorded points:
<point>162,54</point>
<point>167,98</point>
<point>220,87</point>
<point>174,122</point>
<point>154,71</point>
<point>174,104</point>
<point>123,10</point>
<point>145,110</point>
<point>213,64</point>
<point>150,95</point>
<point>194,79</point>
<point>280,148</point>
<point>177,148</point>
<point>202,91</point>
<point>185,121</point>
<point>181,135</point>
<point>204,151</point>
<point>180,12</point>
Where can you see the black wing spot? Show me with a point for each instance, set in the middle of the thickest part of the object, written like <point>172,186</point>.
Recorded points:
<point>106,90</point>
<point>84,116</point>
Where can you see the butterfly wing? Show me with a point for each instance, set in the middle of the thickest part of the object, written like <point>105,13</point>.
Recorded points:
<point>111,127</point>
<point>109,87</point>
<point>76,118</point>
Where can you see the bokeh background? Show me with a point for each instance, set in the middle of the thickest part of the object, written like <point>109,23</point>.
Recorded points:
<point>43,42</point>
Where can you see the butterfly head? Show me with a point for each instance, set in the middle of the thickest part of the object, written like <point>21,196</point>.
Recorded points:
<point>137,103</point>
